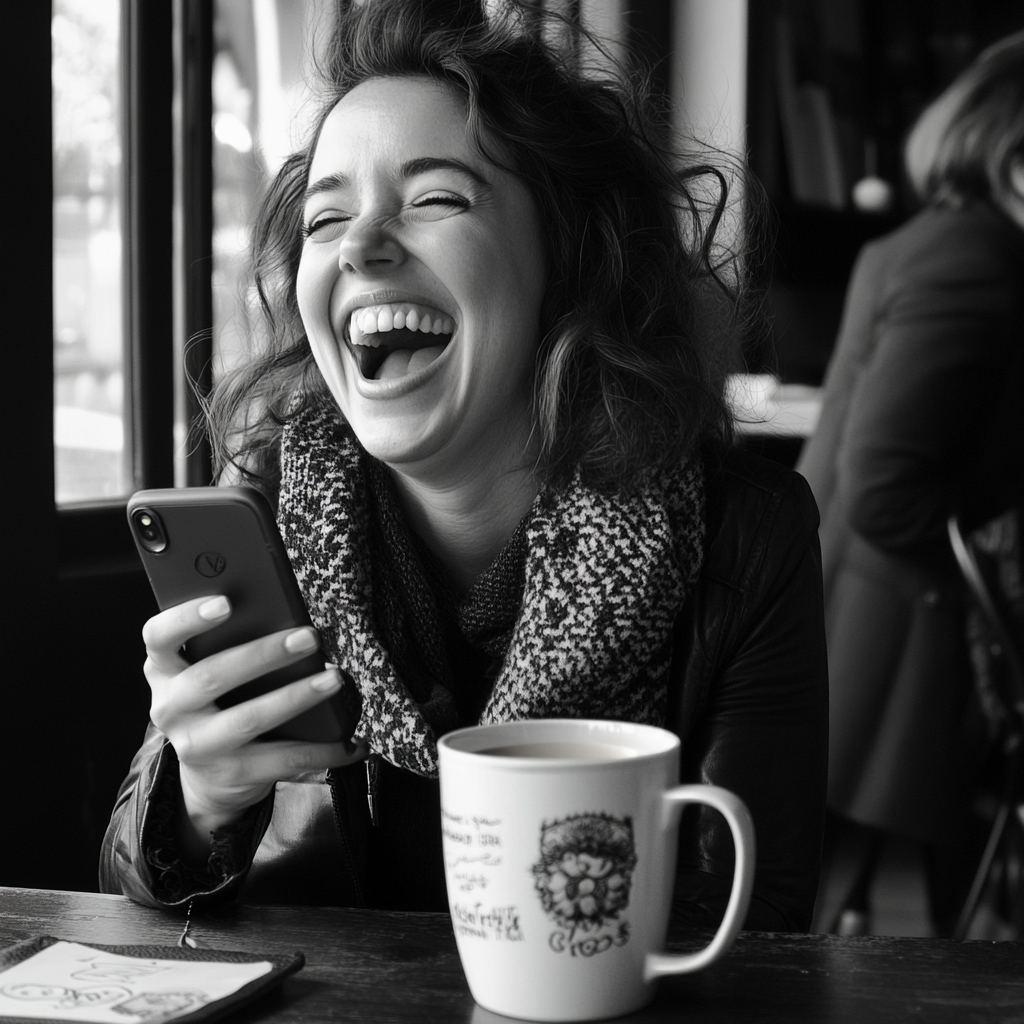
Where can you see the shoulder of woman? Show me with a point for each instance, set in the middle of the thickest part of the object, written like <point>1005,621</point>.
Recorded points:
<point>760,512</point>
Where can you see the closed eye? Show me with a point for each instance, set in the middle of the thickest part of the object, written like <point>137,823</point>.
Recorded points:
<point>442,199</point>
<point>320,227</point>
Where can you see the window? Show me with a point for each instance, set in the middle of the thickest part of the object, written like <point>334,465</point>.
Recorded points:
<point>112,74</point>
<point>260,116</point>
<point>135,172</point>
<point>89,395</point>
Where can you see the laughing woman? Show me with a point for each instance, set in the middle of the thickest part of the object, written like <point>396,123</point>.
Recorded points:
<point>487,406</point>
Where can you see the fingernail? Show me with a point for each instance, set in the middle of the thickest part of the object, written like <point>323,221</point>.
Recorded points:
<point>326,682</point>
<point>300,641</point>
<point>215,608</point>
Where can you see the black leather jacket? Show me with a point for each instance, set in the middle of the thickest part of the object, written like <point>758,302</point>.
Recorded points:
<point>748,698</point>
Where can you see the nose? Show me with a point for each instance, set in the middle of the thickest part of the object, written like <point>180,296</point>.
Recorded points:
<point>368,245</point>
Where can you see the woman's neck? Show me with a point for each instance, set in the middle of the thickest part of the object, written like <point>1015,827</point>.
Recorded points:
<point>468,521</point>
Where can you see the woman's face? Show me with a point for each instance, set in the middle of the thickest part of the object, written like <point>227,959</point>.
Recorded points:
<point>420,281</point>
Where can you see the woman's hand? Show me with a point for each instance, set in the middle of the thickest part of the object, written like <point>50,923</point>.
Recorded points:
<point>224,769</point>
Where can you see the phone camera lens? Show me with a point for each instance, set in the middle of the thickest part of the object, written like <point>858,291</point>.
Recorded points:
<point>149,530</point>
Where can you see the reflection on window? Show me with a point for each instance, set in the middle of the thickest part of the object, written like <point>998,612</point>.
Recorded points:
<point>89,426</point>
<point>260,115</point>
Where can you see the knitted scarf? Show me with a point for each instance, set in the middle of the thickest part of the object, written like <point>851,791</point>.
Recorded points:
<point>597,582</point>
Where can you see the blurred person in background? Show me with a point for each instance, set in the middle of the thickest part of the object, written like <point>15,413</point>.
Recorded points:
<point>922,420</point>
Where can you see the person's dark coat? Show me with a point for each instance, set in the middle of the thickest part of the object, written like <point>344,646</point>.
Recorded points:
<point>922,419</point>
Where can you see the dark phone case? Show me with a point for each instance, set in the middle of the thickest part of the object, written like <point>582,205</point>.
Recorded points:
<point>223,540</point>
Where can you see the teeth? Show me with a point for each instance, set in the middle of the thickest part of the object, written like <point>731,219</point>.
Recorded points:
<point>359,335</point>
<point>367,324</point>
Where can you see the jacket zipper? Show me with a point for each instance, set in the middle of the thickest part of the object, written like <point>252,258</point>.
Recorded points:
<point>372,769</point>
<point>357,885</point>
<point>186,940</point>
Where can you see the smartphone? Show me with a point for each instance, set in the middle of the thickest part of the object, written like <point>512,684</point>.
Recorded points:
<point>205,541</point>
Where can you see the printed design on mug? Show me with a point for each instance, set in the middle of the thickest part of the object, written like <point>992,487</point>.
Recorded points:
<point>583,878</point>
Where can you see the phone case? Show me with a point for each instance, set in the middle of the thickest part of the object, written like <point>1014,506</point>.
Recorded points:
<point>223,540</point>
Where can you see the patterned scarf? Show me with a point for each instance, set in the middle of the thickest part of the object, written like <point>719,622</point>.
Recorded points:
<point>597,582</point>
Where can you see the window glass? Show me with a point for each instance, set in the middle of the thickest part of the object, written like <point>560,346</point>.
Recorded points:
<point>261,114</point>
<point>90,451</point>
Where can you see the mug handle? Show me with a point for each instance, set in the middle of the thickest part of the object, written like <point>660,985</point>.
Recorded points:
<point>742,827</point>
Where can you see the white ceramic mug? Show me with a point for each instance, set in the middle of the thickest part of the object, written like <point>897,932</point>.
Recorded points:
<point>560,850</point>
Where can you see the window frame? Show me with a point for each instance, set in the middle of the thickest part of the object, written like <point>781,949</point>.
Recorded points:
<point>166,63</point>
<point>193,137</point>
<point>147,72</point>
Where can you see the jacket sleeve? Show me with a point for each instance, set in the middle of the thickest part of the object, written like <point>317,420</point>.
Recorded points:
<point>753,707</point>
<point>138,857</point>
<point>945,333</point>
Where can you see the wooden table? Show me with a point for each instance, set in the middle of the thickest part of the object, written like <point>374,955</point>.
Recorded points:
<point>390,968</point>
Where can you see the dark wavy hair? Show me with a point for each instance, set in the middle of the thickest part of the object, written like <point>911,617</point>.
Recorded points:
<point>642,302</point>
<point>963,145</point>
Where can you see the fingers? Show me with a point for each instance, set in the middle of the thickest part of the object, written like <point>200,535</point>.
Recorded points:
<point>199,684</point>
<point>225,766</point>
<point>219,794</point>
<point>167,632</point>
<point>213,676</point>
<point>285,759</point>
<point>233,727</point>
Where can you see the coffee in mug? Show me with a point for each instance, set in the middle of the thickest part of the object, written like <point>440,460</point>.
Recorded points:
<point>561,751</point>
<point>559,844</point>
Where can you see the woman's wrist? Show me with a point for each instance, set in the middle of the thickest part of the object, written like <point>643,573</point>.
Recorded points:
<point>197,820</point>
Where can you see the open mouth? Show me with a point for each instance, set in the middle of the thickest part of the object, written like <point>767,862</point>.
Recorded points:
<point>395,339</point>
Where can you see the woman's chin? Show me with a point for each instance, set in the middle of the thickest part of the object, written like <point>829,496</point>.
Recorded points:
<point>402,438</point>
<point>396,414</point>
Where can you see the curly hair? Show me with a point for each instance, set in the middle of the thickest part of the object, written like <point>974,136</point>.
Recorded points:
<point>642,299</point>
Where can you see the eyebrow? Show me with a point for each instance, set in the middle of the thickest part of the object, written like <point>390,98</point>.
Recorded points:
<point>423,164</point>
<point>419,165</point>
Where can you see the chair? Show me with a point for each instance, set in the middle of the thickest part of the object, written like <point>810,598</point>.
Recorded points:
<point>1004,706</point>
